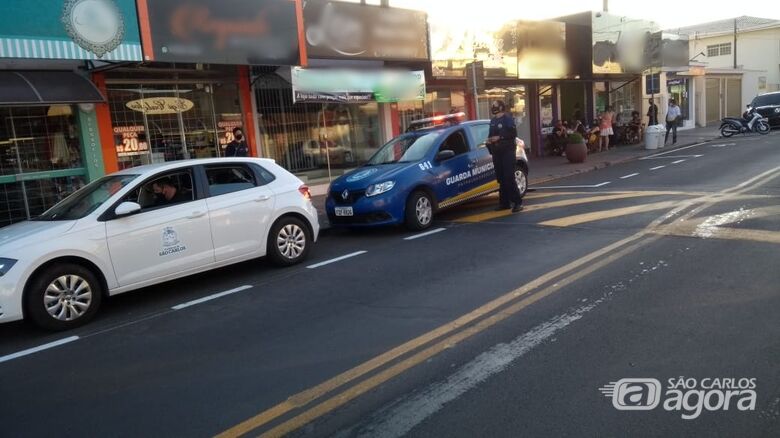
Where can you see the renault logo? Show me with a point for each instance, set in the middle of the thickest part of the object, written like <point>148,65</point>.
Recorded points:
<point>345,194</point>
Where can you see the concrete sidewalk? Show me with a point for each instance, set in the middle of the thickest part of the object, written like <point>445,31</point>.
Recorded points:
<point>545,169</point>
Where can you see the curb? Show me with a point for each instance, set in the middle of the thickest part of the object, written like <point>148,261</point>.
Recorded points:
<point>605,164</point>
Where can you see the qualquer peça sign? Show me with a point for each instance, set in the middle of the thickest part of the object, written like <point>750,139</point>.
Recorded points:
<point>242,32</point>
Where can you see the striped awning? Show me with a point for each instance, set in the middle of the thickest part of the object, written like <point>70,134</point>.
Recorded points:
<point>46,87</point>
<point>61,49</point>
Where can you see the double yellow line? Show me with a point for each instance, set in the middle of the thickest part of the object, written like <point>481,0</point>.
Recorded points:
<point>416,351</point>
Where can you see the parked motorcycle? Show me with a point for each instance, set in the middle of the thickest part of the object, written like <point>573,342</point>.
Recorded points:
<point>751,121</point>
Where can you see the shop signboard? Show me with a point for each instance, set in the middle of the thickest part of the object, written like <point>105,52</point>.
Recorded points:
<point>340,30</point>
<point>621,45</point>
<point>514,49</point>
<point>357,86</point>
<point>161,105</point>
<point>241,32</point>
<point>70,29</point>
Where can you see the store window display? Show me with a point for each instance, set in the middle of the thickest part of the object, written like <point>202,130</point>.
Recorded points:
<point>40,159</point>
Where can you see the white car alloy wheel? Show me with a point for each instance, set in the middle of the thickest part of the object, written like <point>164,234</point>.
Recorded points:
<point>68,297</point>
<point>521,180</point>
<point>424,210</point>
<point>291,241</point>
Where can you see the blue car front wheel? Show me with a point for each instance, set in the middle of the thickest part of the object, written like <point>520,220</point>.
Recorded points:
<point>419,211</point>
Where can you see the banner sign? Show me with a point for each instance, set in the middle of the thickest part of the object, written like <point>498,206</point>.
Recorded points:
<point>335,29</point>
<point>70,29</point>
<point>241,32</point>
<point>355,86</point>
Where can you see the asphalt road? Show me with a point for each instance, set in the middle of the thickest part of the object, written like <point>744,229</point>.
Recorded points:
<point>493,325</point>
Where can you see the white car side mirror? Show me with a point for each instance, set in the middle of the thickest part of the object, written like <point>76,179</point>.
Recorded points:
<point>127,208</point>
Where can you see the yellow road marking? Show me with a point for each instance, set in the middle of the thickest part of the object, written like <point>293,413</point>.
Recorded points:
<point>305,397</point>
<point>726,234</point>
<point>607,214</point>
<point>481,217</point>
<point>693,228</point>
<point>361,388</point>
<point>599,259</point>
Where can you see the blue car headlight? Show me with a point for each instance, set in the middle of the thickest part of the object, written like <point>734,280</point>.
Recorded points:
<point>377,189</point>
<point>6,265</point>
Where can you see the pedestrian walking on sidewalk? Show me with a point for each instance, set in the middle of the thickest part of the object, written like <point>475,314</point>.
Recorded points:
<point>652,113</point>
<point>605,127</point>
<point>673,116</point>
<point>501,144</point>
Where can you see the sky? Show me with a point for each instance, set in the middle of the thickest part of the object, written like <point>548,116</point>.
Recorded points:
<point>667,13</point>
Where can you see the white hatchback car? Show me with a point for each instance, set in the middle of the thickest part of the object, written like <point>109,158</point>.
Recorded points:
<point>147,225</point>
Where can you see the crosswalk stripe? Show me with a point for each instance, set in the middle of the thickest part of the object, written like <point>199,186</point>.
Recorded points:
<point>481,217</point>
<point>724,233</point>
<point>578,219</point>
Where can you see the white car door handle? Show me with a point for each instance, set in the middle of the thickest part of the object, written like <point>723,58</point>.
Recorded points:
<point>196,214</point>
<point>262,198</point>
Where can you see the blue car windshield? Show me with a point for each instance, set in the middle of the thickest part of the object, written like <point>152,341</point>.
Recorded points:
<point>405,148</point>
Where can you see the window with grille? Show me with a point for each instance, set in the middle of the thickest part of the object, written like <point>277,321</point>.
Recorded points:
<point>719,50</point>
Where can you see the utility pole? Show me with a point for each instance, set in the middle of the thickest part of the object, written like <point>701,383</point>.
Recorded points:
<point>735,43</point>
<point>605,8</point>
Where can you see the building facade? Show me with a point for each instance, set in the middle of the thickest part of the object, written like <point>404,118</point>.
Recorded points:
<point>49,135</point>
<point>732,61</point>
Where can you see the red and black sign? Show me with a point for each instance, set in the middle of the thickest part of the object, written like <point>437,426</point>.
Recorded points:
<point>243,32</point>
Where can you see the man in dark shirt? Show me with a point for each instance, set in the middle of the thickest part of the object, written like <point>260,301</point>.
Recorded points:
<point>168,194</point>
<point>237,147</point>
<point>501,144</point>
<point>652,113</point>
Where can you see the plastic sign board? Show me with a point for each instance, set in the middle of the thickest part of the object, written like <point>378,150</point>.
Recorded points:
<point>356,86</point>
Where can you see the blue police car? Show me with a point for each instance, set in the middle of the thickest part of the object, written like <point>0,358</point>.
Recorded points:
<point>440,162</point>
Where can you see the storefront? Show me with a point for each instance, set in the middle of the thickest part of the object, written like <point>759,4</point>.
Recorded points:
<point>314,139</point>
<point>324,120</point>
<point>45,154</point>
<point>679,88</point>
<point>193,89</point>
<point>165,113</point>
<point>327,121</point>
<point>49,136</point>
<point>438,101</point>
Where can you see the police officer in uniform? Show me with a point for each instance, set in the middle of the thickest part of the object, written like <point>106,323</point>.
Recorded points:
<point>501,144</point>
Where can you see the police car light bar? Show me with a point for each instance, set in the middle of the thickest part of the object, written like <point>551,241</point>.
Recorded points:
<point>437,120</point>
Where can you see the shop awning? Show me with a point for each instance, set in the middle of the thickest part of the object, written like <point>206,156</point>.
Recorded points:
<point>46,87</point>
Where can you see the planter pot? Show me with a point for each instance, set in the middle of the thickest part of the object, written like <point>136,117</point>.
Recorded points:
<point>576,152</point>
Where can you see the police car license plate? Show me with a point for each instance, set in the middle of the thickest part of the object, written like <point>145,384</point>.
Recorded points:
<point>344,211</point>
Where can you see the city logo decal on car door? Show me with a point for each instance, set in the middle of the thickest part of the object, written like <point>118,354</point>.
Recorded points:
<point>170,242</point>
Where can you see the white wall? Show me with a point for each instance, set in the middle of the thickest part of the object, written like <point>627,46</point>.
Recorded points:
<point>758,53</point>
